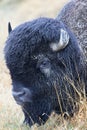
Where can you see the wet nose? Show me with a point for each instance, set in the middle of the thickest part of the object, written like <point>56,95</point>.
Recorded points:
<point>22,96</point>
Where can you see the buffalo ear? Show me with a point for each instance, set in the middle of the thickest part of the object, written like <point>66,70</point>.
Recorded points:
<point>9,27</point>
<point>63,41</point>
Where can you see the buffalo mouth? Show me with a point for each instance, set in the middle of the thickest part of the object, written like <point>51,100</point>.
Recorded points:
<point>37,112</point>
<point>21,102</point>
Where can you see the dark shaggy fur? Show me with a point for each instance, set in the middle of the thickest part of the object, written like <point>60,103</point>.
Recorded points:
<point>74,15</point>
<point>28,53</point>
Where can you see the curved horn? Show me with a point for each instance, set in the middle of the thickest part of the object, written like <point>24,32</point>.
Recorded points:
<point>9,28</point>
<point>63,42</point>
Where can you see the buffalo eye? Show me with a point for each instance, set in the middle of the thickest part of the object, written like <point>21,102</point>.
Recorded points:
<point>44,66</point>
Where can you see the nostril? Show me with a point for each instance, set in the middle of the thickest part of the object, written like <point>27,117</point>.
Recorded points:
<point>22,94</point>
<point>18,94</point>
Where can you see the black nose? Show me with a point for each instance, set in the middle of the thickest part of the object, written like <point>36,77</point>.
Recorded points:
<point>18,94</point>
<point>22,96</point>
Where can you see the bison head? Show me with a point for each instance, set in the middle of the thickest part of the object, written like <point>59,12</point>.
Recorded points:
<point>43,58</point>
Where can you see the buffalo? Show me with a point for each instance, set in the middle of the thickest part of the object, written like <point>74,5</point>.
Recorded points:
<point>47,68</point>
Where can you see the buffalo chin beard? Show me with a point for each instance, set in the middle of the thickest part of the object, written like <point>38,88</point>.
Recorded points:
<point>37,112</point>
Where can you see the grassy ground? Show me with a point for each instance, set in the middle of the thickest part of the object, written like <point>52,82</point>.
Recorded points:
<point>11,116</point>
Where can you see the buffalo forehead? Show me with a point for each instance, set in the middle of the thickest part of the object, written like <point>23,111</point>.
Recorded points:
<point>31,34</point>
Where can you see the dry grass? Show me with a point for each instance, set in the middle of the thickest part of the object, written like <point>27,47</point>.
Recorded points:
<point>11,116</point>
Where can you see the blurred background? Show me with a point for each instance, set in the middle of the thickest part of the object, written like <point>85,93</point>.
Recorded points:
<point>17,12</point>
